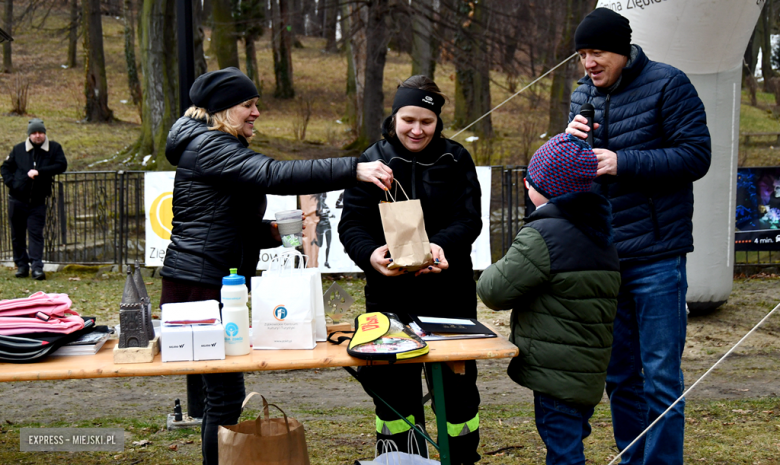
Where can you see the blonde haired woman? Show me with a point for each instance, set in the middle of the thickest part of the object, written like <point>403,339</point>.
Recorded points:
<point>219,198</point>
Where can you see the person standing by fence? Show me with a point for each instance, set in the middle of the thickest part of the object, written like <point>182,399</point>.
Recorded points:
<point>652,143</point>
<point>29,171</point>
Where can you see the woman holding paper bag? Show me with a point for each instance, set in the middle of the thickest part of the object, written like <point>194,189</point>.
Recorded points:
<point>441,174</point>
<point>219,198</point>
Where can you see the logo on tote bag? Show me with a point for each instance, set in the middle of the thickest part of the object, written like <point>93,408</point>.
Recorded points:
<point>280,313</point>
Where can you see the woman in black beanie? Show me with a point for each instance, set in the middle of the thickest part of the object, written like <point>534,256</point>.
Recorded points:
<point>219,198</point>
<point>441,174</point>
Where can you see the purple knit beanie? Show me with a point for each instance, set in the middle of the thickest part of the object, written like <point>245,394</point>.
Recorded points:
<point>563,165</point>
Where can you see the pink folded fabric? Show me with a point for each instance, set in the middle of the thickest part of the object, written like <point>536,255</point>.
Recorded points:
<point>36,305</point>
<point>21,325</point>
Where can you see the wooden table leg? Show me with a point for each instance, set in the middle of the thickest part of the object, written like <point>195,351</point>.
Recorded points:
<point>457,367</point>
<point>441,416</point>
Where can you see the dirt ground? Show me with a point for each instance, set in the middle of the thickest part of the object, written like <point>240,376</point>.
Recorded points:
<point>750,372</point>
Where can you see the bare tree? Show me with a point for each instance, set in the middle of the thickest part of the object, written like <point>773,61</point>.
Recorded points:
<point>422,30</point>
<point>223,35</point>
<point>282,41</point>
<point>132,70</point>
<point>198,36</point>
<point>73,33</point>
<point>330,12</point>
<point>376,53</point>
<point>160,107</point>
<point>8,23</point>
<point>250,27</point>
<point>95,84</point>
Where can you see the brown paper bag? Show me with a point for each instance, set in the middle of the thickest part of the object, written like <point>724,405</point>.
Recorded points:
<point>405,234</point>
<point>263,441</point>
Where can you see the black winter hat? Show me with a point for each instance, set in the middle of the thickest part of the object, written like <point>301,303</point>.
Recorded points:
<point>219,90</point>
<point>603,29</point>
<point>35,125</point>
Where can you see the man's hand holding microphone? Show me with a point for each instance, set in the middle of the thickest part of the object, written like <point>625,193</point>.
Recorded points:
<point>582,126</point>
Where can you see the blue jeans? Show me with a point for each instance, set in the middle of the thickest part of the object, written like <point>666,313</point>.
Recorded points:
<point>563,427</point>
<point>644,376</point>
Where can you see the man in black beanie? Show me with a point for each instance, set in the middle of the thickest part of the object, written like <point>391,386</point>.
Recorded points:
<point>651,142</point>
<point>28,172</point>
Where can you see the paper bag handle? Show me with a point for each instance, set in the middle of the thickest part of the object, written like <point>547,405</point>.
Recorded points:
<point>259,419</point>
<point>397,185</point>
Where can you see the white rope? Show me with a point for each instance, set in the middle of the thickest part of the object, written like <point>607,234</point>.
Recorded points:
<point>694,384</point>
<point>515,95</point>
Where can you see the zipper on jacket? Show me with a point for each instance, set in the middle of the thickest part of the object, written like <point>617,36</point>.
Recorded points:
<point>654,218</point>
<point>414,181</point>
<point>606,122</point>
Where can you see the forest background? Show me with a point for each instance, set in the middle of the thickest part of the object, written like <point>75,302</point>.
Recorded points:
<point>103,74</point>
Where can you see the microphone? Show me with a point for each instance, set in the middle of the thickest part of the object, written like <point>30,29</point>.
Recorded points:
<point>588,111</point>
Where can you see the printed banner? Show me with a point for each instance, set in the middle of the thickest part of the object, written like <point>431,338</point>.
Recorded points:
<point>158,201</point>
<point>758,209</point>
<point>321,238</point>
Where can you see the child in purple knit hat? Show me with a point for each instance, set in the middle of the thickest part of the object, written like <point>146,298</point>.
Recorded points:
<point>560,278</point>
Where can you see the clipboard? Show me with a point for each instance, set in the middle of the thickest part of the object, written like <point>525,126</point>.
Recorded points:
<point>446,326</point>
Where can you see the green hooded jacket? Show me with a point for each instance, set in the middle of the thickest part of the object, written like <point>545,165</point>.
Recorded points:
<point>561,278</point>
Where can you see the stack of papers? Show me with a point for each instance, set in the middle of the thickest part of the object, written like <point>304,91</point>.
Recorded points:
<point>88,344</point>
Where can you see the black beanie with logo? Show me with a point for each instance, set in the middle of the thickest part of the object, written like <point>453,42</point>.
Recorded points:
<point>604,30</point>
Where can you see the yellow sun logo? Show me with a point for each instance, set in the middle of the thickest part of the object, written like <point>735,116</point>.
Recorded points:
<point>161,215</point>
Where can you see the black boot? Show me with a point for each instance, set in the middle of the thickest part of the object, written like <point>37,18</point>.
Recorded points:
<point>38,274</point>
<point>23,272</point>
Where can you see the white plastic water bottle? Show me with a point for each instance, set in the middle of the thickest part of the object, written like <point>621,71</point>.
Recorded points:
<point>235,314</point>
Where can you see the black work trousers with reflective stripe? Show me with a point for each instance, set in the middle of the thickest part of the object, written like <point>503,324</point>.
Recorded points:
<point>27,220</point>
<point>400,385</point>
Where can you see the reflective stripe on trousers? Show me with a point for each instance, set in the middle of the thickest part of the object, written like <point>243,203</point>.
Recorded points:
<point>389,428</point>
<point>462,429</point>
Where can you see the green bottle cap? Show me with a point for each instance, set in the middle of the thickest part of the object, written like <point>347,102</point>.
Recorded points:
<point>234,271</point>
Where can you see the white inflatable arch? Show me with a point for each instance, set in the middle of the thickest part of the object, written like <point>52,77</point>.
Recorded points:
<point>707,40</point>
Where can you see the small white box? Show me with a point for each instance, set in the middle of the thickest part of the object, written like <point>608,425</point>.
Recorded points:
<point>176,343</point>
<point>208,342</point>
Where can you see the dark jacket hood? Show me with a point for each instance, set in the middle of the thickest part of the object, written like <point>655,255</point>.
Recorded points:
<point>589,212</point>
<point>183,132</point>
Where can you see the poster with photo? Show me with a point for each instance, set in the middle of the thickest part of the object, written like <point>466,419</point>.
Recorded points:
<point>758,209</point>
<point>321,238</point>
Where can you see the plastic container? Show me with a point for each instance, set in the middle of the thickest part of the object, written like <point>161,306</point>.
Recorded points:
<point>235,314</point>
<point>290,223</point>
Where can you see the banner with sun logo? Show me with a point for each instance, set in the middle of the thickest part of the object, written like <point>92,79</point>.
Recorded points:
<point>158,201</point>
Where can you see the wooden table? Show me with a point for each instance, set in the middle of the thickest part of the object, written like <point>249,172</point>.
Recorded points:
<point>325,355</point>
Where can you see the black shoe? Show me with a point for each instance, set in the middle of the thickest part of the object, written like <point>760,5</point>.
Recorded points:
<point>23,272</point>
<point>38,275</point>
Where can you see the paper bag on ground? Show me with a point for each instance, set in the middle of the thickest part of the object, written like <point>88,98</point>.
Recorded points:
<point>405,234</point>
<point>283,311</point>
<point>263,441</point>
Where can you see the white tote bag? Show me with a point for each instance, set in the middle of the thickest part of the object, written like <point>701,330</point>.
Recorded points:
<point>283,313</point>
<point>286,261</point>
<point>391,456</point>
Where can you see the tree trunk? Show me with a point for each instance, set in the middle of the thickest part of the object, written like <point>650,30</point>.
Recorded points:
<point>95,84</point>
<point>422,54</point>
<point>376,53</point>
<point>159,63</point>
<point>354,19</point>
<point>8,23</point>
<point>766,46</point>
<point>132,71</point>
<point>563,77</point>
<point>472,70</point>
<point>252,71</point>
<point>198,36</point>
<point>329,21</point>
<point>73,34</point>
<point>223,37</point>
<point>297,11</point>
<point>282,41</point>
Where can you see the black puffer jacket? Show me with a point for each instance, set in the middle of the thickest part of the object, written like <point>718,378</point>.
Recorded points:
<point>219,199</point>
<point>48,158</point>
<point>443,177</point>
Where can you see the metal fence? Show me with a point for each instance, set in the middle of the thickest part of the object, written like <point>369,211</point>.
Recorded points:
<point>98,217</point>
<point>92,217</point>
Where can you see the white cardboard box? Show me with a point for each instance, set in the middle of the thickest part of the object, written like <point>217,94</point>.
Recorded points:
<point>208,342</point>
<point>187,342</point>
<point>176,343</point>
